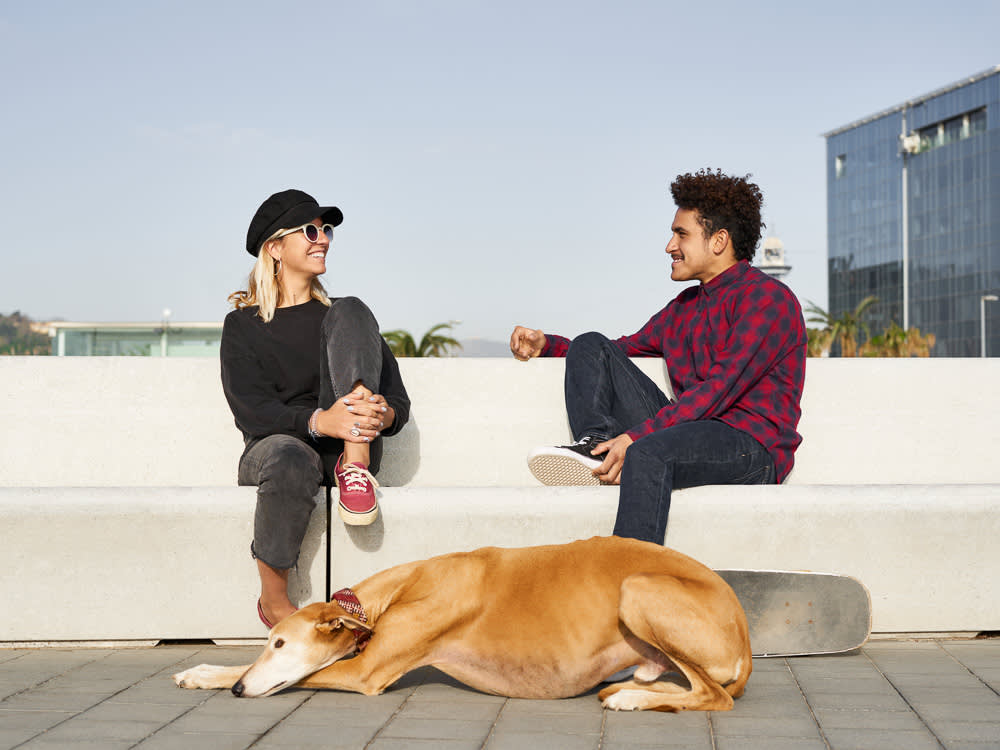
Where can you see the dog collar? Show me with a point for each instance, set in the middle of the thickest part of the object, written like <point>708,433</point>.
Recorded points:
<point>349,601</point>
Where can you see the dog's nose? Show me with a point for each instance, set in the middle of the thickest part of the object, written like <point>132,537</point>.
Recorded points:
<point>238,689</point>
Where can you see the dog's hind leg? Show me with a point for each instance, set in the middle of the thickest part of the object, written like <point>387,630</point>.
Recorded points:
<point>209,677</point>
<point>696,627</point>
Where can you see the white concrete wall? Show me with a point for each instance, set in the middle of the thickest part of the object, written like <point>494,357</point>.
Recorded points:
<point>927,553</point>
<point>84,563</point>
<point>115,421</point>
<point>899,421</point>
<point>130,421</point>
<point>117,490</point>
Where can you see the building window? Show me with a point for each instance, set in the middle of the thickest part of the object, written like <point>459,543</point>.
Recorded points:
<point>977,121</point>
<point>840,166</point>
<point>952,130</point>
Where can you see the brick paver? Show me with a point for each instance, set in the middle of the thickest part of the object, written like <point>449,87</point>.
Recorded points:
<point>890,694</point>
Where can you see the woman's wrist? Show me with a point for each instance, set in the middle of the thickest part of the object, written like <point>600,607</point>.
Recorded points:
<point>314,432</point>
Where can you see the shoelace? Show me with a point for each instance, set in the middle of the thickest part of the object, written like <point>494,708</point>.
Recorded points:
<point>356,479</point>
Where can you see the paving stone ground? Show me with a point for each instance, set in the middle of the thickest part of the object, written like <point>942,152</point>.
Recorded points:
<point>908,695</point>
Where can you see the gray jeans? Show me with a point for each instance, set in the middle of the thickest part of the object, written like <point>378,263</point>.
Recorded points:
<point>288,471</point>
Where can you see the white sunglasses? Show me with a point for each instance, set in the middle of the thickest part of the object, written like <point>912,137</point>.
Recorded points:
<point>311,231</point>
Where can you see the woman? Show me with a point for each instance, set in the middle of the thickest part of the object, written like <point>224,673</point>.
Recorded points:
<point>312,385</point>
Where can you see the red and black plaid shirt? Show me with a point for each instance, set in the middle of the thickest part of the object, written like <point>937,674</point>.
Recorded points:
<point>735,350</point>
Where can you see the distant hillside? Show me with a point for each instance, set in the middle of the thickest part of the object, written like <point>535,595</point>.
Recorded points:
<point>484,348</point>
<point>17,336</point>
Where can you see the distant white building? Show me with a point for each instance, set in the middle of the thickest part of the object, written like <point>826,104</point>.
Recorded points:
<point>163,339</point>
<point>772,260</point>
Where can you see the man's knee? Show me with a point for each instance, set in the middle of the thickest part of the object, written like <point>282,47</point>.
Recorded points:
<point>585,350</point>
<point>589,341</point>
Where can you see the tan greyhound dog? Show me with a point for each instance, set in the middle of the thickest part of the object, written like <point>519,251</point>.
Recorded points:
<point>534,622</point>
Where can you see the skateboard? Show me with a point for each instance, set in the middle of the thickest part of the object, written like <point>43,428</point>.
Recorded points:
<point>793,613</point>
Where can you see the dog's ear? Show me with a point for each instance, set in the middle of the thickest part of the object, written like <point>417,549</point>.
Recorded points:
<point>328,627</point>
<point>354,623</point>
<point>341,621</point>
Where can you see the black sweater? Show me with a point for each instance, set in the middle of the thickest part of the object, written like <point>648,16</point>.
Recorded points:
<point>271,375</point>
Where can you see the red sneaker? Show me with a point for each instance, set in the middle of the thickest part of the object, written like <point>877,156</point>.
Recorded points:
<point>357,506</point>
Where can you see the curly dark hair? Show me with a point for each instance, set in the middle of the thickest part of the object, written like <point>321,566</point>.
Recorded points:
<point>723,202</point>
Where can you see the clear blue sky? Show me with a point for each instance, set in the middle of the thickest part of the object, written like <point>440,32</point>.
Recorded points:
<point>496,162</point>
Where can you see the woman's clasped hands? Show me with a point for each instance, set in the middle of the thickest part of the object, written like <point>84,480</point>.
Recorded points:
<point>358,417</point>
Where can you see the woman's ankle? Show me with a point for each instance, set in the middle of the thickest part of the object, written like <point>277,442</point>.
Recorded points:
<point>357,453</point>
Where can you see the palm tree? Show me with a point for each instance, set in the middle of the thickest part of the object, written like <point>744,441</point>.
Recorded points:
<point>432,344</point>
<point>819,341</point>
<point>919,344</point>
<point>846,328</point>
<point>896,342</point>
<point>401,343</point>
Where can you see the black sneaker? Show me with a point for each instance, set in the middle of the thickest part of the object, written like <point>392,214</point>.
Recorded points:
<point>566,464</point>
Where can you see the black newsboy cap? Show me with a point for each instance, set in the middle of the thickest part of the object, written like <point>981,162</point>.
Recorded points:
<point>284,210</point>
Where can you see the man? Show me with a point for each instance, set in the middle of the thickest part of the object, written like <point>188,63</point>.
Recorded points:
<point>735,348</point>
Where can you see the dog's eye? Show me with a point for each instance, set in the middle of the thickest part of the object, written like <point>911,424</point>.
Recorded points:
<point>279,643</point>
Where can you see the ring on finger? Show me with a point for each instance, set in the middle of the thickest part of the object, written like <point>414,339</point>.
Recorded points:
<point>355,431</point>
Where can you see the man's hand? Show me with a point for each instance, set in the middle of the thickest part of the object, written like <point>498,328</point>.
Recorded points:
<point>526,343</point>
<point>614,449</point>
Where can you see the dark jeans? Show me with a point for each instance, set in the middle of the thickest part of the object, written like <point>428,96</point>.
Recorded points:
<point>288,474</point>
<point>287,470</point>
<point>606,394</point>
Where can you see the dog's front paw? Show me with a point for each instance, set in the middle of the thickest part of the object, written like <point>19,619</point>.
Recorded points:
<point>624,700</point>
<point>196,677</point>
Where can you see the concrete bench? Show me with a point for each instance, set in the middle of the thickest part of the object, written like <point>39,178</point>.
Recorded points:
<point>122,519</point>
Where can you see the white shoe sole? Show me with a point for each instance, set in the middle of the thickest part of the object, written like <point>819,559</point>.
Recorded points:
<point>560,467</point>
<point>357,519</point>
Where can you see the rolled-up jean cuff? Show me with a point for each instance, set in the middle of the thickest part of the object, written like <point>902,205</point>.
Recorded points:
<point>255,556</point>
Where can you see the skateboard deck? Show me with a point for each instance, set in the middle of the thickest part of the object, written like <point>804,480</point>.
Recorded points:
<point>794,613</point>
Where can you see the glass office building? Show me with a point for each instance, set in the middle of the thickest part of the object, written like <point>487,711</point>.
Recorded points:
<point>913,215</point>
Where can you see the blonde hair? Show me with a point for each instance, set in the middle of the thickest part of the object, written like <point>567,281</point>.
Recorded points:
<point>263,288</point>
